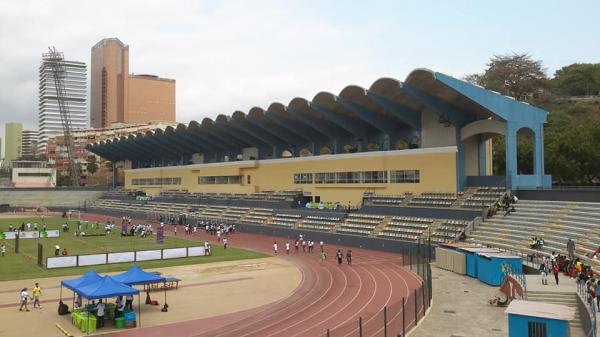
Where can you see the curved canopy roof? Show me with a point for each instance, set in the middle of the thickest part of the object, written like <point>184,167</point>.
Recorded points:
<point>88,278</point>
<point>106,287</point>
<point>135,275</point>
<point>388,107</point>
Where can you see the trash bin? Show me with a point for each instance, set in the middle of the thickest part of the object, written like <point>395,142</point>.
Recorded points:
<point>120,322</point>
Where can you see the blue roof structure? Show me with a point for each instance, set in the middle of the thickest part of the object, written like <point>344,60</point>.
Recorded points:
<point>88,278</point>
<point>387,112</point>
<point>106,287</point>
<point>135,275</point>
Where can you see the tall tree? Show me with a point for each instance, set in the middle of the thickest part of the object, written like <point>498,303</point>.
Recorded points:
<point>516,75</point>
<point>578,79</point>
<point>92,166</point>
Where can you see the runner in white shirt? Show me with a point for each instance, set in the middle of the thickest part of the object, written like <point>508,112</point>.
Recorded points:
<point>275,247</point>
<point>287,247</point>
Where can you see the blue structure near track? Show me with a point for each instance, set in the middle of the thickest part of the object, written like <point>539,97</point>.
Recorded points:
<point>471,258</point>
<point>489,266</point>
<point>538,319</point>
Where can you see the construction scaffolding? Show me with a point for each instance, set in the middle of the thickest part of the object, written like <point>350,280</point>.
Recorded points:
<point>55,61</point>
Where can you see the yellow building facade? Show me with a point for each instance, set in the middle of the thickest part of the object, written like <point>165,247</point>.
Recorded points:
<point>339,178</point>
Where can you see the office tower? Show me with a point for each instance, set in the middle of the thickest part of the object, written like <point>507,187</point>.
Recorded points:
<point>29,140</point>
<point>116,96</point>
<point>75,83</point>
<point>12,138</point>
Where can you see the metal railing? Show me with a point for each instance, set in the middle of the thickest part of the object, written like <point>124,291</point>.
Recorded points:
<point>507,270</point>
<point>590,305</point>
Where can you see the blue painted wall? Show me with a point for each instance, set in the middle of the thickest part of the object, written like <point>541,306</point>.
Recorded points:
<point>517,326</point>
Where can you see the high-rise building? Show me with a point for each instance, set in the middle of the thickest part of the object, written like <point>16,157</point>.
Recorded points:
<point>13,140</point>
<point>75,84</point>
<point>119,97</point>
<point>29,140</point>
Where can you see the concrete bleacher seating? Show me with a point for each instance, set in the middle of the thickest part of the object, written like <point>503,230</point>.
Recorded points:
<point>284,219</point>
<point>361,224</point>
<point>406,228</point>
<point>483,197</point>
<point>448,230</point>
<point>434,199</point>
<point>33,198</point>
<point>259,216</point>
<point>320,223</point>
<point>554,221</point>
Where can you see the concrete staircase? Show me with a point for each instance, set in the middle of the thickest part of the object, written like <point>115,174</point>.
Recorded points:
<point>568,299</point>
<point>555,221</point>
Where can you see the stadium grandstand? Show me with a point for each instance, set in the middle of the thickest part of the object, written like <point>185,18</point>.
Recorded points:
<point>430,133</point>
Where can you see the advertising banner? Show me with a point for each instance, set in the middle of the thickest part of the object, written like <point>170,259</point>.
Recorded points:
<point>160,234</point>
<point>121,257</point>
<point>196,251</point>
<point>50,233</point>
<point>61,262</point>
<point>174,253</point>
<point>22,235</point>
<point>146,255</point>
<point>90,260</point>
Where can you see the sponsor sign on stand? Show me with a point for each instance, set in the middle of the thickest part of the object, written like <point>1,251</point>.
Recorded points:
<point>29,234</point>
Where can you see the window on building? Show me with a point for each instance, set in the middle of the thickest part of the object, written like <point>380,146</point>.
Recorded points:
<point>33,174</point>
<point>156,181</point>
<point>303,178</point>
<point>405,177</point>
<point>536,329</point>
<point>219,180</point>
<point>358,177</point>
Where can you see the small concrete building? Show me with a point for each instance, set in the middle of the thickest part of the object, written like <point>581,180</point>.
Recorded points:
<point>538,319</point>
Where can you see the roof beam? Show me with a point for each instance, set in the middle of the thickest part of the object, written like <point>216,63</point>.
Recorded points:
<point>407,115</point>
<point>314,123</point>
<point>297,128</point>
<point>228,140</point>
<point>190,147</point>
<point>342,121</point>
<point>241,135</point>
<point>195,135</point>
<point>376,120</point>
<point>274,130</point>
<point>451,113</point>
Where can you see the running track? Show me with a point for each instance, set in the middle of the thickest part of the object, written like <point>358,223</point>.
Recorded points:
<point>328,296</point>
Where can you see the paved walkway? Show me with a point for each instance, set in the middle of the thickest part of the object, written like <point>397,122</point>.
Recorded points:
<point>460,309</point>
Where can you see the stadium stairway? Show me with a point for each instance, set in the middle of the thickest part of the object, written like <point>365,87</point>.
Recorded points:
<point>568,299</point>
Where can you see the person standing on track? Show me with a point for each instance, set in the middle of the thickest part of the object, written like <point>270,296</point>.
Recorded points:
<point>349,256</point>
<point>275,247</point>
<point>321,244</point>
<point>340,256</point>
<point>37,293</point>
<point>303,246</point>
<point>287,248</point>
<point>323,256</point>
<point>225,241</point>
<point>296,244</point>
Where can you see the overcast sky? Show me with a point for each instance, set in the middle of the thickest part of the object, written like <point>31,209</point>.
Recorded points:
<point>233,55</point>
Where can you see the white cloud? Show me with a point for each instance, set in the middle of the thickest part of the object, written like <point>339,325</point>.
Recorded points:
<point>225,56</point>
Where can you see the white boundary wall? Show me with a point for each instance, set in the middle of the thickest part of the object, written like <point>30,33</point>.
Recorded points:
<point>110,258</point>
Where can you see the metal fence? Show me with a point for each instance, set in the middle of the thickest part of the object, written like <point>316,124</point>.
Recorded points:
<point>588,317</point>
<point>398,318</point>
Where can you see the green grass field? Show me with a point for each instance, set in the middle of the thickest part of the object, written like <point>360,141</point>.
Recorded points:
<point>24,265</point>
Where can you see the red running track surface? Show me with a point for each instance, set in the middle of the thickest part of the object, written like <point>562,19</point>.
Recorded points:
<point>328,296</point>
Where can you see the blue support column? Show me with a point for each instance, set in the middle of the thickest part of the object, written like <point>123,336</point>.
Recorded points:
<point>482,158</point>
<point>511,155</point>
<point>538,155</point>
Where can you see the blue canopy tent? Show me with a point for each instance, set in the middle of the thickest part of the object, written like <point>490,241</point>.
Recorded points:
<point>136,275</point>
<point>108,287</point>
<point>88,278</point>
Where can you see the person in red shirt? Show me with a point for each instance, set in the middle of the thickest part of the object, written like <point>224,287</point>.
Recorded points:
<point>555,271</point>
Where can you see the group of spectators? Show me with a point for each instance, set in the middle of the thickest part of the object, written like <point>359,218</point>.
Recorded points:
<point>536,242</point>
